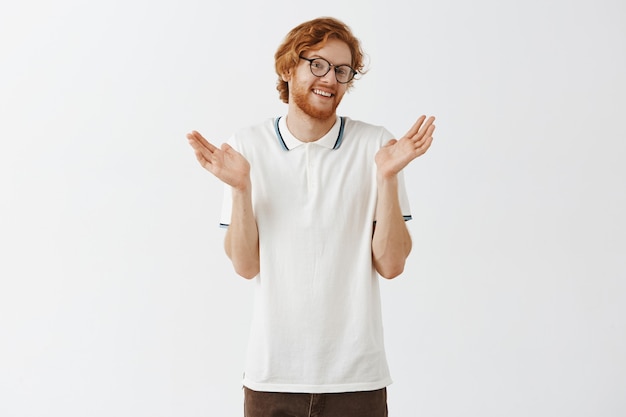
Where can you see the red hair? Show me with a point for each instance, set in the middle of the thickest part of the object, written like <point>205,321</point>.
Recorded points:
<point>313,35</point>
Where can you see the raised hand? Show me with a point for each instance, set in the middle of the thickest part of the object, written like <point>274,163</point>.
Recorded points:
<point>397,154</point>
<point>225,163</point>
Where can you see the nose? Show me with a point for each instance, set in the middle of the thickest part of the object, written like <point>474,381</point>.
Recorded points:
<point>330,76</point>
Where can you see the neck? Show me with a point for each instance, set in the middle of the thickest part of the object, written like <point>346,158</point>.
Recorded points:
<point>306,128</point>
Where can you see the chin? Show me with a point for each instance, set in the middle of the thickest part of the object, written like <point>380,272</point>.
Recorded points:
<point>317,112</point>
<point>304,98</point>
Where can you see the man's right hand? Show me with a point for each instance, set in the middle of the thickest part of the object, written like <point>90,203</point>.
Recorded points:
<point>225,163</point>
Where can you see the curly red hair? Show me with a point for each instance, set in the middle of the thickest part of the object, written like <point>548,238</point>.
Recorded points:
<point>313,35</point>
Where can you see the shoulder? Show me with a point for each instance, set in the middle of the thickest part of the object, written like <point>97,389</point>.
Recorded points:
<point>253,134</point>
<point>366,131</point>
<point>262,128</point>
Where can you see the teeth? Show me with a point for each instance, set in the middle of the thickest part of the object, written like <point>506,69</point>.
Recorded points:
<point>322,93</point>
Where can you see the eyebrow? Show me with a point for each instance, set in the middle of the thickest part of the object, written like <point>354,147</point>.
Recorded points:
<point>326,59</point>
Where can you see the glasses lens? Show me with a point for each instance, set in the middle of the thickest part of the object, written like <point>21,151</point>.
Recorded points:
<point>319,67</point>
<point>343,73</point>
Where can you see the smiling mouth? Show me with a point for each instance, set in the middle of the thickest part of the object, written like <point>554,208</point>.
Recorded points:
<point>322,93</point>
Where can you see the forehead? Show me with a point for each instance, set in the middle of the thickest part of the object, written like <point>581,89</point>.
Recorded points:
<point>335,51</point>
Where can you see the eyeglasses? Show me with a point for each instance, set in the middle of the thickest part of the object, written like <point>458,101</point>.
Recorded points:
<point>320,67</point>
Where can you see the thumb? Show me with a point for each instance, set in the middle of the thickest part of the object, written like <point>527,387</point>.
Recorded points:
<point>226,147</point>
<point>391,142</point>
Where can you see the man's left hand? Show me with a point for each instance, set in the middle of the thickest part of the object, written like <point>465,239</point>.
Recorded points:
<point>397,154</point>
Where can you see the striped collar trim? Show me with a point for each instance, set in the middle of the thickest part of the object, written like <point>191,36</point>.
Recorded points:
<point>331,140</point>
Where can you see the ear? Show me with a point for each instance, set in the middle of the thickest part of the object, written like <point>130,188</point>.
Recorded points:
<point>286,76</point>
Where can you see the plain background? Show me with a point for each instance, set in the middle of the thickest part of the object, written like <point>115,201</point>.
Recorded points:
<point>116,298</point>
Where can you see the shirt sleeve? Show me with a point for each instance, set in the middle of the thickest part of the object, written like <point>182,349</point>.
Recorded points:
<point>403,198</point>
<point>227,195</point>
<point>402,195</point>
<point>227,206</point>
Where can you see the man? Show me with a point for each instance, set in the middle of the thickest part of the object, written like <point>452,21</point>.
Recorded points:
<point>315,208</point>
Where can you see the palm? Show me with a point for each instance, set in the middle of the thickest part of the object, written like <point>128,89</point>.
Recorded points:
<point>229,166</point>
<point>394,156</point>
<point>225,163</point>
<point>397,154</point>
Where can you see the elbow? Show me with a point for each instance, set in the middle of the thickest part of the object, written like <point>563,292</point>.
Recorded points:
<point>389,260</point>
<point>247,270</point>
<point>245,265</point>
<point>391,265</point>
<point>247,273</point>
<point>391,272</point>
<point>390,268</point>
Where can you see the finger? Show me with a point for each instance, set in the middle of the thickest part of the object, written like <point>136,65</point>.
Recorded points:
<point>423,146</point>
<point>416,127</point>
<point>227,148</point>
<point>196,137</point>
<point>206,153</point>
<point>204,162</point>
<point>424,129</point>
<point>200,140</point>
<point>200,149</point>
<point>427,135</point>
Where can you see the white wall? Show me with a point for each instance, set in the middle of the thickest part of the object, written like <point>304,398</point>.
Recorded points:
<point>116,298</point>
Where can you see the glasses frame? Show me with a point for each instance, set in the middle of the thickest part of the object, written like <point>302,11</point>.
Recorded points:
<point>330,66</point>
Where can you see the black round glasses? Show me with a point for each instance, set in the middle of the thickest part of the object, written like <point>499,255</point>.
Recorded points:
<point>320,67</point>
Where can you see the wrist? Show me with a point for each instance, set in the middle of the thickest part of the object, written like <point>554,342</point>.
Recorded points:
<point>386,178</point>
<point>243,187</point>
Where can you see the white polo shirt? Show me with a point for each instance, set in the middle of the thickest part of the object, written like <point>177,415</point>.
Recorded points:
<point>317,324</point>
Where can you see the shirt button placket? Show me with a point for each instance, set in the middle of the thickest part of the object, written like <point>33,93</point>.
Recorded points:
<point>310,169</point>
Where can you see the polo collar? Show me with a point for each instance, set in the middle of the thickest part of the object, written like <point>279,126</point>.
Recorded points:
<point>331,140</point>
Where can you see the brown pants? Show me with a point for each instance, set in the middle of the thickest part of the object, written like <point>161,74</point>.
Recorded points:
<point>346,404</point>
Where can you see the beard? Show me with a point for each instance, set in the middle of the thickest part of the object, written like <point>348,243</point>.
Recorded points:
<point>300,97</point>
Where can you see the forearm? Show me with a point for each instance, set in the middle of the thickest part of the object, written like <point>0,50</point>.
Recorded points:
<point>242,237</point>
<point>391,243</point>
